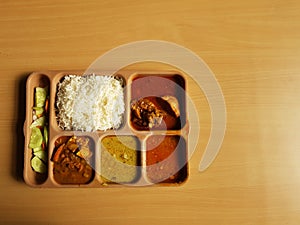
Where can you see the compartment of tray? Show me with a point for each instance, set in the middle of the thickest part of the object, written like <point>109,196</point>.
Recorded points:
<point>166,159</point>
<point>32,177</point>
<point>73,160</point>
<point>157,102</point>
<point>120,160</point>
<point>73,96</point>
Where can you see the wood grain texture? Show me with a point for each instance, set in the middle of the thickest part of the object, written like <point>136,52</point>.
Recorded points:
<point>253,47</point>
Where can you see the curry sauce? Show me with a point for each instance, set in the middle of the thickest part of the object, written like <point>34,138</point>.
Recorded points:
<point>166,159</point>
<point>120,159</point>
<point>72,160</point>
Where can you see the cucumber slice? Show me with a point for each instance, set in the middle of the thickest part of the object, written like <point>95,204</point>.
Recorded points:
<point>46,135</point>
<point>37,149</point>
<point>40,96</point>
<point>41,155</point>
<point>38,122</point>
<point>36,138</point>
<point>38,110</point>
<point>38,165</point>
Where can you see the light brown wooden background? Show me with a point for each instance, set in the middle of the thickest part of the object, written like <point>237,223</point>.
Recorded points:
<point>253,47</point>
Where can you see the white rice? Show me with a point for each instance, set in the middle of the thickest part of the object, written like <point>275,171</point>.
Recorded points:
<point>90,103</point>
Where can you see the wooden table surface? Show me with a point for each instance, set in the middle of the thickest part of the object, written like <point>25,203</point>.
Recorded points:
<point>253,47</point>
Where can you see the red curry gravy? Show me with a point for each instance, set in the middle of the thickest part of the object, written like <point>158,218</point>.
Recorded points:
<point>153,89</point>
<point>166,159</point>
<point>157,85</point>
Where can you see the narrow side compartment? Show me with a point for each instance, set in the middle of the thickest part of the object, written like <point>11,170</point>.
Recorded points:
<point>36,129</point>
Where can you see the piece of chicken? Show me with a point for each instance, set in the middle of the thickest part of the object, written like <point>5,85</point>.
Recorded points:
<point>173,102</point>
<point>146,114</point>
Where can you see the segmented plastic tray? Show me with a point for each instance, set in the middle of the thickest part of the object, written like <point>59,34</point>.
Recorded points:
<point>145,174</point>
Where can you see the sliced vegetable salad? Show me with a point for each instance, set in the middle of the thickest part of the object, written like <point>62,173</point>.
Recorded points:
<point>39,130</point>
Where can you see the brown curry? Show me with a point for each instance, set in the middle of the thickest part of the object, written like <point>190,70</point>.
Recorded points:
<point>72,160</point>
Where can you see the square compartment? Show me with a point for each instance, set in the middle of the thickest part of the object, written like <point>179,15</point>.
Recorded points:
<point>120,159</point>
<point>157,102</point>
<point>73,160</point>
<point>166,159</point>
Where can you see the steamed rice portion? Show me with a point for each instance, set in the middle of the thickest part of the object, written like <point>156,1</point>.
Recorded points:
<point>90,103</point>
